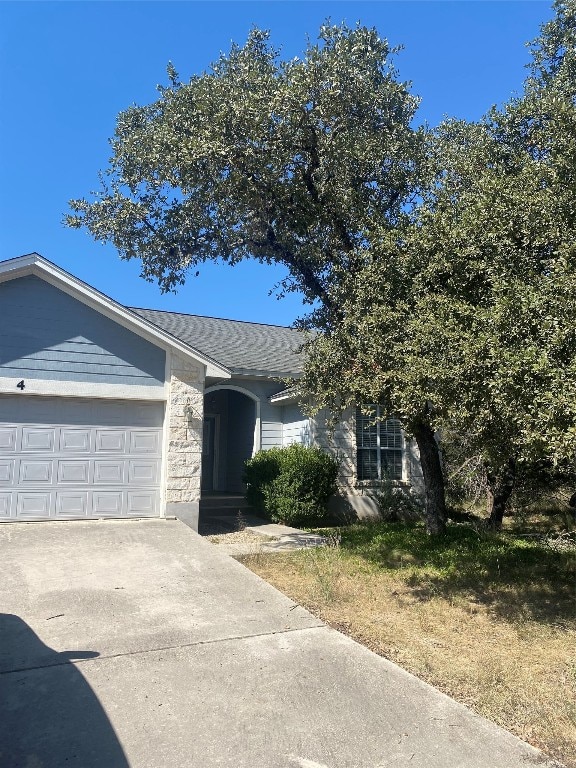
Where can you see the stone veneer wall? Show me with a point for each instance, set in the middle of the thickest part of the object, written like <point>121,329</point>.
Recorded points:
<point>184,460</point>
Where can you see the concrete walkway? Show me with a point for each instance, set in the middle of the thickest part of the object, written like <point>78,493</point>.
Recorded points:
<point>250,535</point>
<point>138,643</point>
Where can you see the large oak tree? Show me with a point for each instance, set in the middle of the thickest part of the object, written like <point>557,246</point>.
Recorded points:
<point>307,163</point>
<point>475,314</point>
<point>297,162</point>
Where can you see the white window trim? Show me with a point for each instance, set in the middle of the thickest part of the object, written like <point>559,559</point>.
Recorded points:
<point>404,458</point>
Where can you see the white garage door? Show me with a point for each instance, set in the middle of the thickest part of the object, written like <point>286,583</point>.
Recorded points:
<point>63,459</point>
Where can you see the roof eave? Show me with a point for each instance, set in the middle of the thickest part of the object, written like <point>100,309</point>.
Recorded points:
<point>265,374</point>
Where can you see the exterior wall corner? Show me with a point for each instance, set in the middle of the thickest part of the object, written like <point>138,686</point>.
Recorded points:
<point>185,413</point>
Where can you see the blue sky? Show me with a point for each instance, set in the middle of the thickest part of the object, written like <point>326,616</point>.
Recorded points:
<point>68,68</point>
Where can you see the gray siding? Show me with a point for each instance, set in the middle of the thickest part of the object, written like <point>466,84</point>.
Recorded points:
<point>46,334</point>
<point>271,426</point>
<point>296,428</point>
<point>340,442</point>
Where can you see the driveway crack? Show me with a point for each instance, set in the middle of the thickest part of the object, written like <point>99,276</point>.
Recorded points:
<point>195,643</point>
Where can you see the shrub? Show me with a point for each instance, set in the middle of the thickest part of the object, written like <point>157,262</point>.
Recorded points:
<point>398,504</point>
<point>259,472</point>
<point>291,485</point>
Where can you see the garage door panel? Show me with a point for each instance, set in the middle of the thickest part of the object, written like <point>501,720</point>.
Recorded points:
<point>35,471</point>
<point>77,472</point>
<point>72,504</point>
<point>107,503</point>
<point>143,472</point>
<point>62,468</point>
<point>142,504</point>
<point>112,413</point>
<point>139,415</point>
<point>144,442</point>
<point>38,439</point>
<point>8,437</point>
<point>110,441</point>
<point>5,505</point>
<point>33,504</point>
<point>7,471</point>
<point>109,472</point>
<point>74,440</point>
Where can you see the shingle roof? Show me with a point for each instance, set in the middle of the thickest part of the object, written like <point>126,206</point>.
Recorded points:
<point>244,348</point>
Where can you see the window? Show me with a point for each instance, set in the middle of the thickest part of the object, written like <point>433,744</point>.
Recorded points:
<point>378,445</point>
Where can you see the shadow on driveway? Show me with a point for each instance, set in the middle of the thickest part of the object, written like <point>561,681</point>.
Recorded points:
<point>49,715</point>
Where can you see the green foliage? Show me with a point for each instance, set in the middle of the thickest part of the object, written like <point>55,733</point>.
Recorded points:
<point>298,162</point>
<point>292,485</point>
<point>442,264</point>
<point>259,472</point>
<point>397,503</point>
<point>469,306</point>
<point>312,163</point>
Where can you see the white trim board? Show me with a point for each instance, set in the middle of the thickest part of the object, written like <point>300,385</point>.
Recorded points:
<point>59,388</point>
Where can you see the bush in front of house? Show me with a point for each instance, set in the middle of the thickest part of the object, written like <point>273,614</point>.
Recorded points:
<point>259,472</point>
<point>399,504</point>
<point>291,485</point>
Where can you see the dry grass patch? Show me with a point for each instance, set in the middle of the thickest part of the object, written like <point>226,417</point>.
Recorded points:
<point>490,620</point>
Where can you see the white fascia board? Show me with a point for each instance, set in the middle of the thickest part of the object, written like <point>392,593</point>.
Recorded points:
<point>255,373</point>
<point>34,264</point>
<point>286,396</point>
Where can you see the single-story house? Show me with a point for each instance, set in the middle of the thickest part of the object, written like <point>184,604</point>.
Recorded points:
<point>110,411</point>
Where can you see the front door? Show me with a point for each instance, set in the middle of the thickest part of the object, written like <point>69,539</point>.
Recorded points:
<point>208,445</point>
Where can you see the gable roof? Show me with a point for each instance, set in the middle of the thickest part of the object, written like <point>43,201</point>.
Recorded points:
<point>225,347</point>
<point>249,349</point>
<point>34,264</point>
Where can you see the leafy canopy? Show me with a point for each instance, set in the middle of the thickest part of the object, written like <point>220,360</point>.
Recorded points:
<point>298,162</point>
<point>473,311</point>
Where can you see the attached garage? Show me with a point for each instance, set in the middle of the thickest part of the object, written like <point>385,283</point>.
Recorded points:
<point>100,410</point>
<point>76,458</point>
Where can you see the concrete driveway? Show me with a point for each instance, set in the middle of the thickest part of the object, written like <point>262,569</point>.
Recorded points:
<point>137,643</point>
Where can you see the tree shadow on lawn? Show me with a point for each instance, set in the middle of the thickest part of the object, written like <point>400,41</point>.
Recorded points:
<point>516,579</point>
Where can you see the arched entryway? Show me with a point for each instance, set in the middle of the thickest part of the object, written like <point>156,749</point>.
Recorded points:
<point>231,435</point>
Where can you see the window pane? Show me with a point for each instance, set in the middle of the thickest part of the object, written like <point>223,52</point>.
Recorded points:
<point>385,434</point>
<point>366,433</point>
<point>367,465</point>
<point>390,434</point>
<point>392,464</point>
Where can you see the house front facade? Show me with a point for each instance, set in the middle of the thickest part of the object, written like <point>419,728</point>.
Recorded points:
<point>110,412</point>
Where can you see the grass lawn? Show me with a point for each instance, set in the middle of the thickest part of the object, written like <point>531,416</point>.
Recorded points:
<point>490,619</point>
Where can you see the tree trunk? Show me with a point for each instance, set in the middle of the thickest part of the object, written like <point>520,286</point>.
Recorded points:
<point>500,487</point>
<point>434,494</point>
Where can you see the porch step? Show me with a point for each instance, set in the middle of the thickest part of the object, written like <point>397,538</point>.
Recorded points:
<point>225,513</point>
<point>224,504</point>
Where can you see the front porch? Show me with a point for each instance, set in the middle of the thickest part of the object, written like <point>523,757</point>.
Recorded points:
<point>231,436</point>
